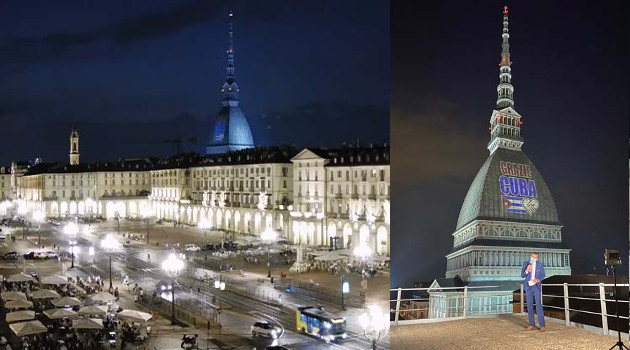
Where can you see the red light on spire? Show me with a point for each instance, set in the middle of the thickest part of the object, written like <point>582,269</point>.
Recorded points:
<point>505,10</point>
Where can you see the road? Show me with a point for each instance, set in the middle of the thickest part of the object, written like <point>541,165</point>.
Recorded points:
<point>242,296</point>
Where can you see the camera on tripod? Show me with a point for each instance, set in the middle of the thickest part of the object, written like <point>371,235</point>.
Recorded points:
<point>612,257</point>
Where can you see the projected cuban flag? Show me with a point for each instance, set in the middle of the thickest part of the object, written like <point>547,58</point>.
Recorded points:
<point>512,204</point>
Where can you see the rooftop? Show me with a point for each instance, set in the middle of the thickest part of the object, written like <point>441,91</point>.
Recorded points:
<point>502,332</point>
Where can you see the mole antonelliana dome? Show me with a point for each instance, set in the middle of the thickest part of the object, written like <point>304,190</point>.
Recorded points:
<point>231,131</point>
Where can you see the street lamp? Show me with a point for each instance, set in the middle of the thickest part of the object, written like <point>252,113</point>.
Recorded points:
<point>39,217</point>
<point>220,285</point>
<point>146,214</point>
<point>22,211</point>
<point>204,224</point>
<point>375,324</point>
<point>71,230</point>
<point>270,237</point>
<point>173,266</point>
<point>109,244</point>
<point>118,221</point>
<point>89,207</point>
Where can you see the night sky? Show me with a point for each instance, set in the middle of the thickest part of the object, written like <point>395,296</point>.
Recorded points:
<point>571,79</point>
<point>132,74</point>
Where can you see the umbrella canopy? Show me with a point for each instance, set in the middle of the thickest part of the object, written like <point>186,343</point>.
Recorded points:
<point>98,310</point>
<point>27,328</point>
<point>54,279</point>
<point>20,277</point>
<point>20,316</point>
<point>18,304</point>
<point>59,313</point>
<point>67,301</point>
<point>6,296</point>
<point>330,256</point>
<point>380,258</point>
<point>87,323</point>
<point>102,296</point>
<point>45,294</point>
<point>134,316</point>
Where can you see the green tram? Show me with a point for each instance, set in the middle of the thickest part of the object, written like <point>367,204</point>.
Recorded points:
<point>315,321</point>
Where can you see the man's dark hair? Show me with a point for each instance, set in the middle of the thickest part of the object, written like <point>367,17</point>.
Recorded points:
<point>532,253</point>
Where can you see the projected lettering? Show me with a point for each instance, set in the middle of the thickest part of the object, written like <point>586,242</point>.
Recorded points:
<point>518,189</point>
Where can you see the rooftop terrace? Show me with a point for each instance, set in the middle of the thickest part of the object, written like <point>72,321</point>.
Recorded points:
<point>499,332</point>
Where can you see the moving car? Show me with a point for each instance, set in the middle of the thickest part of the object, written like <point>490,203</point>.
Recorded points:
<point>266,329</point>
<point>41,255</point>
<point>191,248</point>
<point>10,255</point>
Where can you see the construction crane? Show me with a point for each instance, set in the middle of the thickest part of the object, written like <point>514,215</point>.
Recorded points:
<point>178,142</point>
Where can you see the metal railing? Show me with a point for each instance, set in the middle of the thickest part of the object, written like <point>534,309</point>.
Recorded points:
<point>593,299</point>
<point>575,292</point>
<point>460,309</point>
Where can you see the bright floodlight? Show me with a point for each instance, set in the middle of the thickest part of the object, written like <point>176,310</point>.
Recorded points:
<point>204,224</point>
<point>362,251</point>
<point>39,216</point>
<point>109,243</point>
<point>374,322</point>
<point>217,284</point>
<point>146,212</point>
<point>222,285</point>
<point>173,265</point>
<point>269,235</point>
<point>71,229</point>
<point>22,209</point>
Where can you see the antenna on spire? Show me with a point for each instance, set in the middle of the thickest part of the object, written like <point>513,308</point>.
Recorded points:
<point>230,88</point>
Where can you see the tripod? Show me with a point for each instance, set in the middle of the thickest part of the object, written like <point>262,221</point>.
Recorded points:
<point>619,343</point>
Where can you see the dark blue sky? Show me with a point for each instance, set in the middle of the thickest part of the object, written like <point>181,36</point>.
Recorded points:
<point>131,73</point>
<point>571,79</point>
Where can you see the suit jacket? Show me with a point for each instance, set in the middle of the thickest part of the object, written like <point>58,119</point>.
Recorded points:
<point>540,274</point>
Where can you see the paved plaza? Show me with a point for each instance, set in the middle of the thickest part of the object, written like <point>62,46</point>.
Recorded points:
<point>502,332</point>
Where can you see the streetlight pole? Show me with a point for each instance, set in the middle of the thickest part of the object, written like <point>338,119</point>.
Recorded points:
<point>269,236</point>
<point>71,230</point>
<point>118,222</point>
<point>111,285</point>
<point>375,324</point>
<point>39,217</point>
<point>109,244</point>
<point>172,266</point>
<point>72,254</point>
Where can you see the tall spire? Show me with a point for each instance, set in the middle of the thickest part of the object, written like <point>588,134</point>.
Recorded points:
<point>505,122</point>
<point>230,88</point>
<point>505,90</point>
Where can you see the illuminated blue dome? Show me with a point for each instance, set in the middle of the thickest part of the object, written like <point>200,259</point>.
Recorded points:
<point>231,131</point>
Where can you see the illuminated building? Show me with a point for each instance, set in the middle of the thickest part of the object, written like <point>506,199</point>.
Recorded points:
<point>231,131</point>
<point>507,214</point>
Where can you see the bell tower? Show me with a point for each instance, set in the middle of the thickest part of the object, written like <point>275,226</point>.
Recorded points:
<point>74,146</point>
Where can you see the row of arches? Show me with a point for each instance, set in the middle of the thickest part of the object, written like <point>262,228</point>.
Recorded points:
<point>249,221</point>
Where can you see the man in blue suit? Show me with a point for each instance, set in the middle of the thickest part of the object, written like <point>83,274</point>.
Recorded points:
<point>533,272</point>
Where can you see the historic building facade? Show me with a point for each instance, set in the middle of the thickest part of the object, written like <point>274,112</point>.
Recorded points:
<point>337,198</point>
<point>507,214</point>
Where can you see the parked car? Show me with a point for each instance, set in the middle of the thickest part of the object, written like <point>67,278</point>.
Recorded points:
<point>266,329</point>
<point>40,255</point>
<point>191,248</point>
<point>10,255</point>
<point>208,247</point>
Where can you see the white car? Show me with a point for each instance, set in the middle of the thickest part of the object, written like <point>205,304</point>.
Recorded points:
<point>192,248</point>
<point>266,329</point>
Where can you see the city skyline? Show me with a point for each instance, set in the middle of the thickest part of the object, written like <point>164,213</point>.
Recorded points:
<point>450,120</point>
<point>94,73</point>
